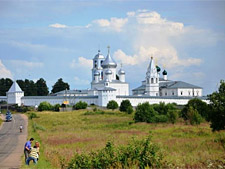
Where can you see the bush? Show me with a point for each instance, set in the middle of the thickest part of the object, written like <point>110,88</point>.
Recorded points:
<point>172,116</point>
<point>160,119</point>
<point>124,105</point>
<point>112,104</point>
<point>193,116</point>
<point>33,115</point>
<point>80,105</point>
<point>44,106</point>
<point>129,110</point>
<point>56,107</point>
<point>198,105</point>
<point>137,154</point>
<point>163,108</point>
<point>145,113</point>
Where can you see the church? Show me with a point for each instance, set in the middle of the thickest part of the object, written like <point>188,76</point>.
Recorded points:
<point>109,83</point>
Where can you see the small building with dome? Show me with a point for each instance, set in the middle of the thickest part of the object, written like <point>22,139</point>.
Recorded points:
<point>156,84</point>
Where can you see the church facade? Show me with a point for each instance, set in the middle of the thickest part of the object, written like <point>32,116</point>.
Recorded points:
<point>109,83</point>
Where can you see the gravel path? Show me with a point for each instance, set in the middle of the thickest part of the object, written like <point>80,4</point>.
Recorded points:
<point>12,141</point>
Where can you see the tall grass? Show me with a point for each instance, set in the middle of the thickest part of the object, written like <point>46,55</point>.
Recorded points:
<point>63,134</point>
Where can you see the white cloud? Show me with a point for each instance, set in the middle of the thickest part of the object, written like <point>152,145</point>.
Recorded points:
<point>26,64</point>
<point>165,56</point>
<point>57,25</point>
<point>4,72</point>
<point>115,24</point>
<point>78,81</point>
<point>151,36</point>
<point>81,63</point>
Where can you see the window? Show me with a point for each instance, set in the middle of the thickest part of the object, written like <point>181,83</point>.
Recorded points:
<point>165,93</point>
<point>197,93</point>
<point>173,93</point>
<point>181,93</point>
<point>152,80</point>
<point>189,93</point>
<point>156,80</point>
<point>101,62</point>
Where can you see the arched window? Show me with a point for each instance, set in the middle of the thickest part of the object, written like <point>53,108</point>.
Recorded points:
<point>152,80</point>
<point>156,80</point>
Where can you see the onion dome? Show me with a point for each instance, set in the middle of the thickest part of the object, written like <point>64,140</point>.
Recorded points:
<point>158,68</point>
<point>96,73</point>
<point>109,62</point>
<point>164,72</point>
<point>121,72</point>
<point>108,72</point>
<point>99,55</point>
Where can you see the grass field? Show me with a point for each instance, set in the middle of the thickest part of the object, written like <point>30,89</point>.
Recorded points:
<point>64,133</point>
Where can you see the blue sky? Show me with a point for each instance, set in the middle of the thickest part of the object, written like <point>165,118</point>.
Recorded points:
<point>58,39</point>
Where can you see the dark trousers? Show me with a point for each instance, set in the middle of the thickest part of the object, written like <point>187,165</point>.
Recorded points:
<point>26,153</point>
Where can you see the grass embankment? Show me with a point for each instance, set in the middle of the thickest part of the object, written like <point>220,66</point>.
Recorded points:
<point>64,133</point>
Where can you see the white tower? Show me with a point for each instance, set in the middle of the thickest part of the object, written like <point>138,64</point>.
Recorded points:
<point>152,80</point>
<point>109,64</point>
<point>121,74</point>
<point>97,66</point>
<point>14,94</point>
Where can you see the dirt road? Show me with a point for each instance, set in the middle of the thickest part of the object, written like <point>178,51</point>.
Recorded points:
<point>12,142</point>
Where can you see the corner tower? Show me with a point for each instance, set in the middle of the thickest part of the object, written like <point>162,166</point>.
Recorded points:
<point>152,80</point>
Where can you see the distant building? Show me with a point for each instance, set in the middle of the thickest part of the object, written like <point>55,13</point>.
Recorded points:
<point>109,84</point>
<point>153,85</point>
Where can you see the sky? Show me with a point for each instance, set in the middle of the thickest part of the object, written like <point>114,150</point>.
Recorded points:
<point>58,39</point>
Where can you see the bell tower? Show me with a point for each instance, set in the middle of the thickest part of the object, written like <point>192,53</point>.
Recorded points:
<point>152,80</point>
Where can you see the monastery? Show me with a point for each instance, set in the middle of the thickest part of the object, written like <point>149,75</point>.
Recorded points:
<point>109,83</point>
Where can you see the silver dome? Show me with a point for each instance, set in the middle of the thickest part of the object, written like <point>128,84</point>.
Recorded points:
<point>121,72</point>
<point>108,72</point>
<point>99,55</point>
<point>96,73</point>
<point>109,62</point>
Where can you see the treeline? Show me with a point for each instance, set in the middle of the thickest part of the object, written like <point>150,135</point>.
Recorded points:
<point>31,88</point>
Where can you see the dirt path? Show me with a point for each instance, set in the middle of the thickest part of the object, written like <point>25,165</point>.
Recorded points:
<point>12,141</point>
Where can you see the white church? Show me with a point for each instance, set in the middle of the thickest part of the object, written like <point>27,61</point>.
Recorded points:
<point>109,83</point>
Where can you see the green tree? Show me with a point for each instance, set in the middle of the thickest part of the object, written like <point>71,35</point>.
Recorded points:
<point>193,116</point>
<point>5,85</point>
<point>60,85</point>
<point>45,106</point>
<point>124,105</point>
<point>163,108</point>
<point>217,108</point>
<point>80,105</point>
<point>129,110</point>
<point>172,116</point>
<point>145,113</point>
<point>197,104</point>
<point>42,89</point>
<point>112,104</point>
<point>28,86</point>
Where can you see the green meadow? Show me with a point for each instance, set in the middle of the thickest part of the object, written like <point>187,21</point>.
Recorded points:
<point>62,134</point>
